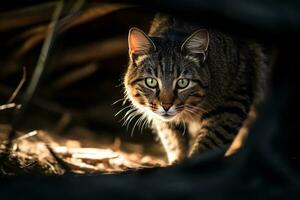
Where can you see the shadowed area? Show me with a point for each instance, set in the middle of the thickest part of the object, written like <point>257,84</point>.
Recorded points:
<point>57,115</point>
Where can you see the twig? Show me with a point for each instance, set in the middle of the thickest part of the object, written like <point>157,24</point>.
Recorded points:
<point>17,90</point>
<point>28,135</point>
<point>22,137</point>
<point>40,102</point>
<point>60,161</point>
<point>44,54</point>
<point>9,105</point>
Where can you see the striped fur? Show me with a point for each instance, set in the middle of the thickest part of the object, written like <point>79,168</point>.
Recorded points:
<point>222,88</point>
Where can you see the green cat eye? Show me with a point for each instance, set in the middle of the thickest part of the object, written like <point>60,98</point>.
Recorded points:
<point>183,83</point>
<point>151,82</point>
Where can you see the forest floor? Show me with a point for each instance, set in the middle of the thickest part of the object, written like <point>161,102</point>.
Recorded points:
<point>38,152</point>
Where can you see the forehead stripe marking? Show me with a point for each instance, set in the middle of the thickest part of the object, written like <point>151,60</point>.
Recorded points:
<point>193,59</point>
<point>163,65</point>
<point>141,58</point>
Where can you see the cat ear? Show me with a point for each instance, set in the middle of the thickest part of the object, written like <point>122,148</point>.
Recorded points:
<point>197,43</point>
<point>139,43</point>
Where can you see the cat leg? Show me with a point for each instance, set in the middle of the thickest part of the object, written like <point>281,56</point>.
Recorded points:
<point>220,125</point>
<point>216,131</point>
<point>209,138</point>
<point>172,141</point>
<point>242,135</point>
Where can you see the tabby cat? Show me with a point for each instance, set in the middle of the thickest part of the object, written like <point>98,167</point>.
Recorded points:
<point>198,78</point>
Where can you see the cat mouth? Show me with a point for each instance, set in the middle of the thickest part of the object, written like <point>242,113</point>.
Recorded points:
<point>167,117</point>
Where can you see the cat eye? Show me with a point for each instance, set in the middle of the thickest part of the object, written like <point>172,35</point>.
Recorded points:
<point>183,83</point>
<point>151,82</point>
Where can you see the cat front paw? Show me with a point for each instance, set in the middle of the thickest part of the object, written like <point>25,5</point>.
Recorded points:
<point>175,157</point>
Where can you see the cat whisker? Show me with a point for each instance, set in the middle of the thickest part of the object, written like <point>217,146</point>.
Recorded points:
<point>132,116</point>
<point>183,106</point>
<point>120,111</point>
<point>191,111</point>
<point>202,109</point>
<point>126,114</point>
<point>144,125</point>
<point>117,101</point>
<point>143,119</point>
<point>135,124</point>
<point>125,101</point>
<point>196,108</point>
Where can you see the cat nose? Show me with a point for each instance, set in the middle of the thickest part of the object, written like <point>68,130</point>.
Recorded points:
<point>166,106</point>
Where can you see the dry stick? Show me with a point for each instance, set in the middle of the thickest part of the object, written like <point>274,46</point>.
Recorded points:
<point>75,8</point>
<point>36,75</point>
<point>47,105</point>
<point>9,103</point>
<point>41,103</point>
<point>17,90</point>
<point>59,160</point>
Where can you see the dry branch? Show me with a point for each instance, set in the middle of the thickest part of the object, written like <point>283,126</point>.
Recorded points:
<point>40,102</point>
<point>9,105</point>
<point>18,88</point>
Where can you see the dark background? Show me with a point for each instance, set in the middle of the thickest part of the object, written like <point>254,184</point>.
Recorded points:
<point>266,168</point>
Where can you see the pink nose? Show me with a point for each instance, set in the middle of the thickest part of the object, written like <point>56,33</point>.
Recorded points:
<point>166,106</point>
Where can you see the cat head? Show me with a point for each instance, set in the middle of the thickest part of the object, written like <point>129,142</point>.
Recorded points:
<point>167,79</point>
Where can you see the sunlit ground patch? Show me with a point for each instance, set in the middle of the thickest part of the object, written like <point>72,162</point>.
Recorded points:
<point>33,153</point>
